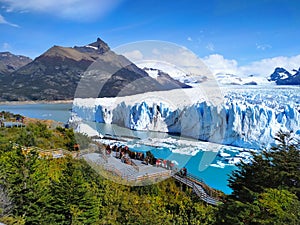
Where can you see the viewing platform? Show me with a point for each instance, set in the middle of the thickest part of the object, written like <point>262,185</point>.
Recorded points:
<point>136,170</point>
<point>135,173</point>
<point>11,121</point>
<point>9,124</point>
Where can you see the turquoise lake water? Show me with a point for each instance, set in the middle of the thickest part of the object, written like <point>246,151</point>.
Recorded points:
<point>57,112</point>
<point>197,165</point>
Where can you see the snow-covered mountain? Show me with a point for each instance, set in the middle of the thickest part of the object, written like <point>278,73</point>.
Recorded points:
<point>157,69</point>
<point>280,76</point>
<point>248,117</point>
<point>165,79</point>
<point>283,77</point>
<point>154,69</point>
<point>232,79</point>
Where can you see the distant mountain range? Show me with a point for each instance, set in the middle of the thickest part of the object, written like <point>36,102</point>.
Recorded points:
<point>282,77</point>
<point>94,70</point>
<point>86,71</point>
<point>10,63</point>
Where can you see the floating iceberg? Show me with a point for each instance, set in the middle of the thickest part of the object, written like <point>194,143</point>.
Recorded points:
<point>88,130</point>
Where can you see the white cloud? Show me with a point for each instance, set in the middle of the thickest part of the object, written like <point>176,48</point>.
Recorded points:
<point>187,61</point>
<point>263,47</point>
<point>265,67</point>
<point>134,55</point>
<point>189,39</point>
<point>4,21</point>
<point>210,47</point>
<point>70,9</point>
<point>5,46</point>
<point>164,52</point>
<point>218,64</point>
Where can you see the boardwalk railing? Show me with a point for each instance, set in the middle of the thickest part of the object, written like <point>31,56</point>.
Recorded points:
<point>154,176</point>
<point>130,174</point>
<point>195,184</point>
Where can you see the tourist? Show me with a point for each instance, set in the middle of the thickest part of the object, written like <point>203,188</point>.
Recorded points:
<point>165,163</point>
<point>172,166</point>
<point>157,163</point>
<point>184,171</point>
<point>123,159</point>
<point>168,164</point>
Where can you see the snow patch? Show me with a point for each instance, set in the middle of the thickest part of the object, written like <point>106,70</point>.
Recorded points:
<point>90,46</point>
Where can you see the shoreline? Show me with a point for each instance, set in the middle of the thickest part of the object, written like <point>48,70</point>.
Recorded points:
<point>36,102</point>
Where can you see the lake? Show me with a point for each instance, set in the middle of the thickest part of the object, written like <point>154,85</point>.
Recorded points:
<point>58,112</point>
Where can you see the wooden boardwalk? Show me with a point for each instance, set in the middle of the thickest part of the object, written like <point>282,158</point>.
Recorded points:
<point>195,184</point>
<point>136,174</point>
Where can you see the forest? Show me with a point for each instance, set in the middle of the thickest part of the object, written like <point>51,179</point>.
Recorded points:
<point>37,189</point>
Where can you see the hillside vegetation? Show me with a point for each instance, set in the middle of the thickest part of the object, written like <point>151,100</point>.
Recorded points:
<point>66,190</point>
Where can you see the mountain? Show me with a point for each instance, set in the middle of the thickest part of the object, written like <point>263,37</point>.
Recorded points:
<point>10,62</point>
<point>282,77</point>
<point>233,79</point>
<point>82,71</point>
<point>51,76</point>
<point>156,68</point>
<point>162,71</point>
<point>165,79</point>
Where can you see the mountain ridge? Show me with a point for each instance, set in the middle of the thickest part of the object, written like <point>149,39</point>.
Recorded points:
<point>56,74</point>
<point>283,77</point>
<point>10,62</point>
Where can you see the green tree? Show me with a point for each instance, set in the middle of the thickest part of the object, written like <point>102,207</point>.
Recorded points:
<point>286,162</point>
<point>26,138</point>
<point>278,207</point>
<point>275,168</point>
<point>266,190</point>
<point>21,178</point>
<point>74,197</point>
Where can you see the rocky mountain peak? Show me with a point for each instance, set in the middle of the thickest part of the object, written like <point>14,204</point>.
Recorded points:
<point>99,45</point>
<point>279,74</point>
<point>10,62</point>
<point>283,77</point>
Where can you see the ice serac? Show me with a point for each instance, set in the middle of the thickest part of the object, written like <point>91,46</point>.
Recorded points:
<point>245,119</point>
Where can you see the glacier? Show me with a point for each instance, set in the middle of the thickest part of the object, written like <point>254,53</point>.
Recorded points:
<point>247,117</point>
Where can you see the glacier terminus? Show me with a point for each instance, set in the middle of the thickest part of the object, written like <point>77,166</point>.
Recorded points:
<point>246,117</point>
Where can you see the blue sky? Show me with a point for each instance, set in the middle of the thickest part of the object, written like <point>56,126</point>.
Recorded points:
<point>235,34</point>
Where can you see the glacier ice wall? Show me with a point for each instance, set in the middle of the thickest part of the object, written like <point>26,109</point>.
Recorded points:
<point>249,122</point>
